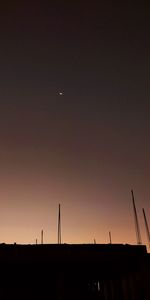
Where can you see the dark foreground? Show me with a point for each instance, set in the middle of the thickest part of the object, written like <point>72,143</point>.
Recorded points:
<point>74,272</point>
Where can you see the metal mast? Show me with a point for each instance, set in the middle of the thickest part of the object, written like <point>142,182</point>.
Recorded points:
<point>110,240</point>
<point>146,226</point>
<point>94,241</point>
<point>59,226</point>
<point>137,228</point>
<point>42,237</point>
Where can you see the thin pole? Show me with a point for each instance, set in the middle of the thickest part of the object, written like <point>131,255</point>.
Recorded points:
<point>147,228</point>
<point>137,228</point>
<point>59,226</point>
<point>110,240</point>
<point>42,237</point>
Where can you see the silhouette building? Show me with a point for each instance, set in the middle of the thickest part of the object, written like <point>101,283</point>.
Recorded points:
<point>74,272</point>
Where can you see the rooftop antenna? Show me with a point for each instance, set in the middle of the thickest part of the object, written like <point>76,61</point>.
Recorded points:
<point>36,241</point>
<point>146,226</point>
<point>110,240</point>
<point>59,226</point>
<point>42,237</point>
<point>137,228</point>
<point>95,241</point>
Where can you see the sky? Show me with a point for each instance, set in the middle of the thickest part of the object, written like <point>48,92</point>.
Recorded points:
<point>74,120</point>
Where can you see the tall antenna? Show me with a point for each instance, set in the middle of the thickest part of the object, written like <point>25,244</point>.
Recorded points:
<point>42,236</point>
<point>110,240</point>
<point>146,226</point>
<point>137,228</point>
<point>59,226</point>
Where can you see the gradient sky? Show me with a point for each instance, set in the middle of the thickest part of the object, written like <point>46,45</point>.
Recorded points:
<point>87,148</point>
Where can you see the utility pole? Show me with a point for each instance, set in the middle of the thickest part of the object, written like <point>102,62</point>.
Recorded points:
<point>137,228</point>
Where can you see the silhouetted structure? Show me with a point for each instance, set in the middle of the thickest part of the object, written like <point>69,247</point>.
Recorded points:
<point>146,227</point>
<point>59,226</point>
<point>74,272</point>
<point>110,240</point>
<point>42,236</point>
<point>137,227</point>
